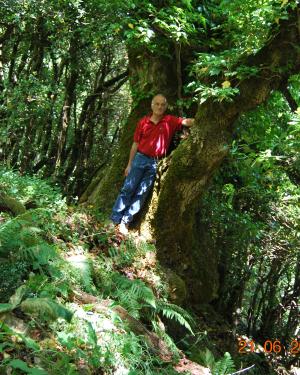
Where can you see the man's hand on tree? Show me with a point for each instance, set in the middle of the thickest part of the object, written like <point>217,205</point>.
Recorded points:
<point>188,122</point>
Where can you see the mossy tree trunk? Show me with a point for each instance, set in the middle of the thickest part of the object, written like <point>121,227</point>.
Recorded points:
<point>173,208</point>
<point>195,160</point>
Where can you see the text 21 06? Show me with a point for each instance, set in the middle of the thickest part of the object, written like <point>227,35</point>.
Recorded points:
<point>269,346</point>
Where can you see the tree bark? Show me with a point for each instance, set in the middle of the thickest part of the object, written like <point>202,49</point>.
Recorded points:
<point>289,98</point>
<point>70,94</point>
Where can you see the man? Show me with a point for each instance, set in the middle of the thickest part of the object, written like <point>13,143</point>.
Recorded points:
<point>151,141</point>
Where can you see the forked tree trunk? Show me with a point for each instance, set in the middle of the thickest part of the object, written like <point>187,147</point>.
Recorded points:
<point>174,203</point>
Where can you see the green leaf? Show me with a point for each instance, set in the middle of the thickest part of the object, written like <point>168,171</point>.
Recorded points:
<point>21,365</point>
<point>46,308</point>
<point>17,363</point>
<point>92,337</point>
<point>16,298</point>
<point>5,307</point>
<point>30,343</point>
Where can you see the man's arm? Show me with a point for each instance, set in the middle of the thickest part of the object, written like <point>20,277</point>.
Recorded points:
<point>188,122</point>
<point>132,153</point>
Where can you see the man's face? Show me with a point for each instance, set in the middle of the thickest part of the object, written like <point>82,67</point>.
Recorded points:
<point>159,105</point>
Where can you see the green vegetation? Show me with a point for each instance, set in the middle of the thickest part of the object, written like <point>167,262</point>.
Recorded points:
<point>251,213</point>
<point>75,297</point>
<point>53,255</point>
<point>253,207</point>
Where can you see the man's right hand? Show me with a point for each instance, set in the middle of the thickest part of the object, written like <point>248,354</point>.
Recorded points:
<point>132,154</point>
<point>127,170</point>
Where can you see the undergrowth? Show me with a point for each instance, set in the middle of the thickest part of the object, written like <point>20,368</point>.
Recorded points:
<point>50,256</point>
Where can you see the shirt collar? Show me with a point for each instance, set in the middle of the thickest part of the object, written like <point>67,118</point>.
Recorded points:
<point>149,118</point>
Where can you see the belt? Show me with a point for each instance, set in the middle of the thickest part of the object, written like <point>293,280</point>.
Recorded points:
<point>150,157</point>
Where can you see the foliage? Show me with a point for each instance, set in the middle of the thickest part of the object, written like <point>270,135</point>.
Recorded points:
<point>133,295</point>
<point>177,313</point>
<point>64,101</point>
<point>12,274</point>
<point>27,245</point>
<point>137,298</point>
<point>243,28</point>
<point>223,366</point>
<point>45,309</point>
<point>41,239</point>
<point>251,210</point>
<point>23,247</point>
<point>41,81</point>
<point>62,107</point>
<point>31,190</point>
<point>216,93</point>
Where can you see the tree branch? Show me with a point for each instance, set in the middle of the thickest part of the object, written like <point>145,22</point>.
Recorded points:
<point>283,88</point>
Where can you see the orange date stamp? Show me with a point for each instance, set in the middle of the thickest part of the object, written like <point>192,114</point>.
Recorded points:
<point>269,346</point>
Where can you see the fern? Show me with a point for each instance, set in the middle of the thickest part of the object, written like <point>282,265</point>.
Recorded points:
<point>224,366</point>
<point>207,359</point>
<point>46,309</point>
<point>143,292</point>
<point>79,269</point>
<point>9,236</point>
<point>128,301</point>
<point>132,294</point>
<point>165,337</point>
<point>20,240</point>
<point>177,313</point>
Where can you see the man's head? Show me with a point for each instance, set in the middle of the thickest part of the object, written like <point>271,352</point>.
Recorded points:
<point>159,104</point>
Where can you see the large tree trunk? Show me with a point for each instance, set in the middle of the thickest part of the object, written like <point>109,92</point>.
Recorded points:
<point>178,191</point>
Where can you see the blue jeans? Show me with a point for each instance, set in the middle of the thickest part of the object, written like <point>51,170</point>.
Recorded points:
<point>135,190</point>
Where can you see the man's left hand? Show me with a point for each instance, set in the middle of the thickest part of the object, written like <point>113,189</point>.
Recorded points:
<point>188,122</point>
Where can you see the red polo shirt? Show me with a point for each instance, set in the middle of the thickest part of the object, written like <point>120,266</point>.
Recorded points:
<point>154,139</point>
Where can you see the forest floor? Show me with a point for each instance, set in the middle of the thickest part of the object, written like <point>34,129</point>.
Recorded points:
<point>79,298</point>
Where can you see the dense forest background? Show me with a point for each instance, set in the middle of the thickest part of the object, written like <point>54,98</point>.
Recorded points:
<point>224,273</point>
